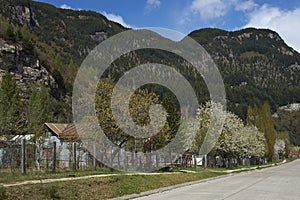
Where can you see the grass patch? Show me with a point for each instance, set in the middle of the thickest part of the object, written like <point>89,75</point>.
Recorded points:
<point>102,188</point>
<point>6,176</point>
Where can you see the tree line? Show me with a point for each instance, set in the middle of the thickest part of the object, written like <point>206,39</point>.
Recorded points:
<point>254,138</point>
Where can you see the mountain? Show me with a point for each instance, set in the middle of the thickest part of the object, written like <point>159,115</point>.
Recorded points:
<point>256,65</point>
<point>41,45</point>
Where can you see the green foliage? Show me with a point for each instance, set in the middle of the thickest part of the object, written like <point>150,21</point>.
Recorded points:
<point>262,119</point>
<point>4,24</point>
<point>140,103</point>
<point>10,34</point>
<point>26,37</point>
<point>289,122</point>
<point>64,38</point>
<point>255,57</point>
<point>38,111</point>
<point>11,119</point>
<point>51,192</point>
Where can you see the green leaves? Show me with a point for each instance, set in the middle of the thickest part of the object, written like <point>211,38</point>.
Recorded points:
<point>15,118</point>
<point>38,111</point>
<point>11,119</point>
<point>262,119</point>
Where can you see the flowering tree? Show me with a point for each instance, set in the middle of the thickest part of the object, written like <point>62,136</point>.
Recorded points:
<point>230,142</point>
<point>236,140</point>
<point>279,147</point>
<point>254,142</point>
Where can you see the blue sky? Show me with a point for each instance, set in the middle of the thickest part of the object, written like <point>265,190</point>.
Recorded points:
<point>185,16</point>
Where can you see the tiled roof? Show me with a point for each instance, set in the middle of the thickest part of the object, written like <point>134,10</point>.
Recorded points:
<point>63,131</point>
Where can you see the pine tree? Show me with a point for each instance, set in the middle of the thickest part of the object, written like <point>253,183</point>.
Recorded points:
<point>11,120</point>
<point>38,111</point>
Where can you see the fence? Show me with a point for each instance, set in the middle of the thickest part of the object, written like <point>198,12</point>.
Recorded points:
<point>24,155</point>
<point>218,162</point>
<point>52,156</point>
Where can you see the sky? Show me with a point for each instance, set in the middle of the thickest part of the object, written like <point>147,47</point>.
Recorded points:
<point>185,16</point>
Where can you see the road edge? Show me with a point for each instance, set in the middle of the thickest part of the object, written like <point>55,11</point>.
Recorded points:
<point>164,189</point>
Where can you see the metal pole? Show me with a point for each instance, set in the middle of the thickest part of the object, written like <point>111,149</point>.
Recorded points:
<point>23,156</point>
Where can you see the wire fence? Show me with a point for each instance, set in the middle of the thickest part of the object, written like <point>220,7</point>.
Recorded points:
<point>55,156</point>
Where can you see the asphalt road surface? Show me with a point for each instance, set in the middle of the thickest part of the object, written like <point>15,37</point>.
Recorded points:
<point>275,183</point>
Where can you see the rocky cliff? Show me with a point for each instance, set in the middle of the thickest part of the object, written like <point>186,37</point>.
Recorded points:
<point>25,68</point>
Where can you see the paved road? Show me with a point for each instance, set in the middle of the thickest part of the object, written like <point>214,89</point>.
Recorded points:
<point>276,183</point>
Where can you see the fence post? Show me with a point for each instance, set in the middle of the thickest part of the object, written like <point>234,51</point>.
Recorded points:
<point>54,157</point>
<point>74,156</point>
<point>157,160</point>
<point>119,152</point>
<point>94,158</point>
<point>23,156</point>
<point>126,162</point>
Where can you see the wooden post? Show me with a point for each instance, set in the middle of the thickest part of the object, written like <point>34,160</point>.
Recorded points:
<point>157,161</point>
<point>126,162</point>
<point>74,156</point>
<point>94,158</point>
<point>54,157</point>
<point>111,156</point>
<point>119,152</point>
<point>132,159</point>
<point>181,160</point>
<point>140,160</point>
<point>23,156</point>
<point>205,161</point>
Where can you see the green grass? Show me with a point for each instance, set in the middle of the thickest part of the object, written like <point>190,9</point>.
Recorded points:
<point>101,188</point>
<point>245,168</point>
<point>6,176</point>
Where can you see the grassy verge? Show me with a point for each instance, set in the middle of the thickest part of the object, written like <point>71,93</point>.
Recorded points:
<point>248,167</point>
<point>7,176</point>
<point>101,188</point>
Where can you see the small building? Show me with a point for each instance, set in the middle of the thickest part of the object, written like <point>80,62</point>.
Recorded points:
<point>65,132</point>
<point>65,136</point>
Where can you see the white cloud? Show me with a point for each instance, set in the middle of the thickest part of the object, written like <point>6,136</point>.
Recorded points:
<point>209,9</point>
<point>152,4</point>
<point>116,18</point>
<point>244,5</point>
<point>65,6</point>
<point>213,9</point>
<point>285,22</point>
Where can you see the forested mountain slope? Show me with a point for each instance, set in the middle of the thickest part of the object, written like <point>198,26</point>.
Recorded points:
<point>41,45</point>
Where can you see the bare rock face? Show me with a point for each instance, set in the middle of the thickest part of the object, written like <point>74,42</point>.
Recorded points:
<point>291,107</point>
<point>24,15</point>
<point>25,68</point>
<point>99,36</point>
